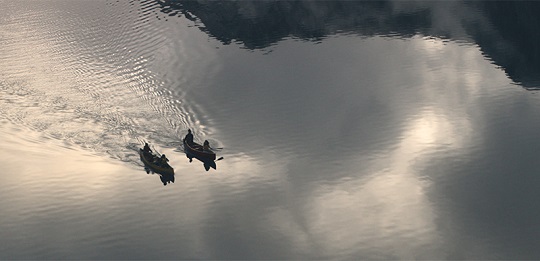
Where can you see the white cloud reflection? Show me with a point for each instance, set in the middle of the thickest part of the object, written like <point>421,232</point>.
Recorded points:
<point>390,210</point>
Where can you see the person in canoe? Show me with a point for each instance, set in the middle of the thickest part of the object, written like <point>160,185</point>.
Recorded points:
<point>163,160</point>
<point>146,150</point>
<point>189,137</point>
<point>206,146</point>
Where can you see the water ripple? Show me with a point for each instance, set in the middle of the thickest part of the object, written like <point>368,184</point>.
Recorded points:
<point>90,79</point>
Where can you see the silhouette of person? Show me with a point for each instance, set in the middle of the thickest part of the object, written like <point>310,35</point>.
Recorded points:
<point>163,160</point>
<point>189,137</point>
<point>146,148</point>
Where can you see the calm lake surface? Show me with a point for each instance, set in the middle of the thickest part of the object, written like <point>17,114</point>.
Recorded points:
<point>349,130</point>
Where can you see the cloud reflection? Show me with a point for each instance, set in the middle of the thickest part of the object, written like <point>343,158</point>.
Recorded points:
<point>390,209</point>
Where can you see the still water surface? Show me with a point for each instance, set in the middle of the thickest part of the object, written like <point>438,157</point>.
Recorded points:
<point>350,130</point>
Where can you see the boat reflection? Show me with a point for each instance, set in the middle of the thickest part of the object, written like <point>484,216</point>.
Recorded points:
<point>165,178</point>
<point>207,163</point>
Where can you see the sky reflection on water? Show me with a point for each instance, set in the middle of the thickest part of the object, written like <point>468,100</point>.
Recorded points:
<point>375,130</point>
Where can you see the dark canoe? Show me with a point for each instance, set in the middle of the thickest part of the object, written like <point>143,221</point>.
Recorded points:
<point>197,151</point>
<point>156,168</point>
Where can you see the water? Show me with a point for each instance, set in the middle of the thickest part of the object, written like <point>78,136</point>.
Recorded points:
<point>350,130</point>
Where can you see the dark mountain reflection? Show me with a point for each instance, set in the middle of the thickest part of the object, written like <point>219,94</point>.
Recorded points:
<point>504,30</point>
<point>517,23</point>
<point>259,24</point>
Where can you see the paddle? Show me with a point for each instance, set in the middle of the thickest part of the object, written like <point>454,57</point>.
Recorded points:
<point>214,148</point>
<point>159,154</point>
<point>217,149</point>
<point>154,149</point>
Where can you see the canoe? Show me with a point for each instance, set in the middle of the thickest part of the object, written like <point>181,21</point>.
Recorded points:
<point>155,167</point>
<point>197,151</point>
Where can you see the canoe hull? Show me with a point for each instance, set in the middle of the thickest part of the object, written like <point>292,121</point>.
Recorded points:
<point>156,168</point>
<point>196,150</point>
